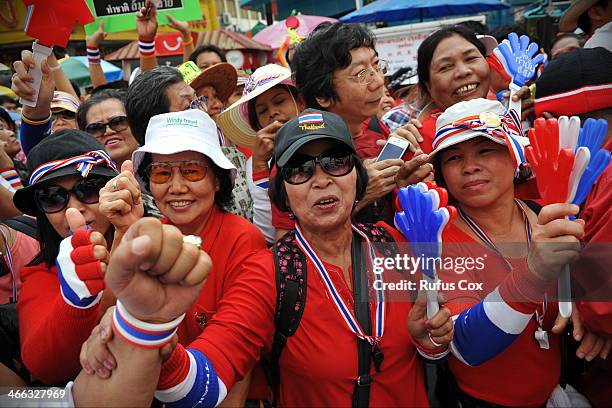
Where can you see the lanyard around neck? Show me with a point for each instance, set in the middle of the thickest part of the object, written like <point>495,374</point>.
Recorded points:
<point>345,312</point>
<point>540,312</point>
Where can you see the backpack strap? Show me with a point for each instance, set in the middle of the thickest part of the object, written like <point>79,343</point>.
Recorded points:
<point>23,223</point>
<point>290,266</point>
<point>291,283</point>
<point>361,392</point>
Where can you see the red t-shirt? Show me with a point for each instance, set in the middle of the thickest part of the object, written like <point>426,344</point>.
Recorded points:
<point>523,374</point>
<point>229,240</point>
<point>318,365</point>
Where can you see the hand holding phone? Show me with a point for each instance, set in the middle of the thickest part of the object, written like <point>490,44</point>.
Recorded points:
<point>393,149</point>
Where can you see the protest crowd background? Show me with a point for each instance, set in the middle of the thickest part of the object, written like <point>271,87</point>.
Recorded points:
<point>206,203</point>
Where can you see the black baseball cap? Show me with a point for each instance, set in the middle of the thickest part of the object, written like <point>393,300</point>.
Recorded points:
<point>58,146</point>
<point>576,82</point>
<point>311,124</point>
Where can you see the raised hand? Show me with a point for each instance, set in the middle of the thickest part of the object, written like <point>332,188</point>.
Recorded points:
<point>555,240</point>
<point>178,25</point>
<point>381,178</point>
<point>21,84</point>
<point>518,58</point>
<point>415,170</point>
<point>264,145</point>
<point>146,20</point>
<point>81,263</point>
<point>94,40</point>
<point>120,199</point>
<point>154,273</point>
<point>438,329</point>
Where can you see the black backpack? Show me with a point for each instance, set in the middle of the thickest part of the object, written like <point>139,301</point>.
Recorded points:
<point>291,284</point>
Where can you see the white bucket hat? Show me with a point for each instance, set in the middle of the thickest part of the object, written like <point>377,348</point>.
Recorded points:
<point>480,117</point>
<point>234,121</point>
<point>175,132</point>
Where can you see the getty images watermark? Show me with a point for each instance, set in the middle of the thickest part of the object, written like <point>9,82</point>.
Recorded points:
<point>407,264</point>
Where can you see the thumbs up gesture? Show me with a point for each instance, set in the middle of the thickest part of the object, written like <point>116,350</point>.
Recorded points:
<point>81,263</point>
<point>120,199</point>
<point>433,333</point>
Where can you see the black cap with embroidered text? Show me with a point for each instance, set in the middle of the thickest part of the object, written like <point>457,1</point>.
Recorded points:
<point>311,124</point>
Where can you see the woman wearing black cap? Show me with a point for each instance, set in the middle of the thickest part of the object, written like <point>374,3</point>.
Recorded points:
<point>62,287</point>
<point>333,357</point>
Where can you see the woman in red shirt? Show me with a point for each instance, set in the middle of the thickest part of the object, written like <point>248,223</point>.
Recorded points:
<point>504,352</point>
<point>452,67</point>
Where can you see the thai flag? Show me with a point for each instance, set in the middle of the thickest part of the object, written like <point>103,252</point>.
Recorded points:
<point>310,119</point>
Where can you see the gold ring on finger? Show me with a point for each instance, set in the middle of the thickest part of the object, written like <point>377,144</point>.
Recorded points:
<point>193,239</point>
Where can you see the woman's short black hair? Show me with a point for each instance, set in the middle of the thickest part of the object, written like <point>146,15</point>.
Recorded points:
<point>326,50</point>
<point>253,121</point>
<point>428,47</point>
<point>223,197</point>
<point>98,97</point>
<point>207,48</point>
<point>146,97</point>
<point>278,193</point>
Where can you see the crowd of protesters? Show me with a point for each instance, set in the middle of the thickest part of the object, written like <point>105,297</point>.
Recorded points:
<point>206,236</point>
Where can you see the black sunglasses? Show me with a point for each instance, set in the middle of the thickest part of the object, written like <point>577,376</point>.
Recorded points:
<point>52,199</point>
<point>117,124</point>
<point>65,115</point>
<point>335,163</point>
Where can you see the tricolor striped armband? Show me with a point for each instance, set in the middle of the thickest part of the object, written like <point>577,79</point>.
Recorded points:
<point>142,334</point>
<point>146,46</point>
<point>195,385</point>
<point>93,55</point>
<point>486,329</point>
<point>436,355</point>
<point>10,175</point>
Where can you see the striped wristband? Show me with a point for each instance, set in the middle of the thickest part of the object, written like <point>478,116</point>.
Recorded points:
<point>10,175</point>
<point>146,46</point>
<point>93,55</point>
<point>142,334</point>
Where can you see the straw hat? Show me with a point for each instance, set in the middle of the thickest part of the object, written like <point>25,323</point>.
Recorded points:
<point>221,76</point>
<point>234,121</point>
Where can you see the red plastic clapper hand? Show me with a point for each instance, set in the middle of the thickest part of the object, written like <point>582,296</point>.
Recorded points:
<point>81,263</point>
<point>552,166</point>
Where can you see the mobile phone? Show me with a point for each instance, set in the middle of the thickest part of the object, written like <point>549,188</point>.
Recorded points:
<point>393,149</point>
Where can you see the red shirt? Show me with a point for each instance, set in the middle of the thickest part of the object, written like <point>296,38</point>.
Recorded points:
<point>597,214</point>
<point>229,240</point>
<point>318,365</point>
<point>523,374</point>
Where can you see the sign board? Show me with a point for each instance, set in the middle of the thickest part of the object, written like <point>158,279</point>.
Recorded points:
<point>399,44</point>
<point>120,15</point>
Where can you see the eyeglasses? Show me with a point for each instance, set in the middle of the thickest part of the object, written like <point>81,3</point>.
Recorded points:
<point>52,199</point>
<point>160,173</point>
<point>64,115</point>
<point>117,124</point>
<point>201,103</point>
<point>336,164</point>
<point>366,76</point>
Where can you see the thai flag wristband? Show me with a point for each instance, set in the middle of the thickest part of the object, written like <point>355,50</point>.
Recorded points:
<point>10,175</point>
<point>146,46</point>
<point>93,55</point>
<point>143,334</point>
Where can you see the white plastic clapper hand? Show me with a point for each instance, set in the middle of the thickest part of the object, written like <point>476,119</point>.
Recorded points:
<point>40,52</point>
